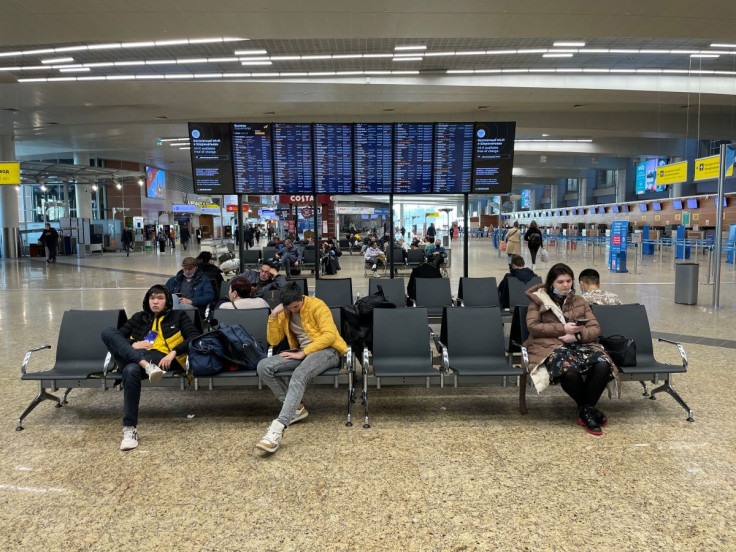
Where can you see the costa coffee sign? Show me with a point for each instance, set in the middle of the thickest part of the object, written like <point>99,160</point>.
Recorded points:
<point>322,199</point>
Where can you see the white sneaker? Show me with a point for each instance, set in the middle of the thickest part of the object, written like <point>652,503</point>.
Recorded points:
<point>130,438</point>
<point>534,267</point>
<point>300,414</point>
<point>272,440</point>
<point>154,373</point>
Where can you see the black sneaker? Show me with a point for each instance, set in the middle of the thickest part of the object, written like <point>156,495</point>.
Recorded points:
<point>600,417</point>
<point>587,419</point>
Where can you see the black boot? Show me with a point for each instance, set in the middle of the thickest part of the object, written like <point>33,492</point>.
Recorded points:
<point>600,417</point>
<point>587,419</point>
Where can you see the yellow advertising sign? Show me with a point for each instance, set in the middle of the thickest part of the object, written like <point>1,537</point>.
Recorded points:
<point>10,173</point>
<point>709,167</point>
<point>671,174</point>
<point>431,215</point>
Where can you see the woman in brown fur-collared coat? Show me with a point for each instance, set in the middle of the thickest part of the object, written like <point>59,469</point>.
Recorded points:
<point>561,351</point>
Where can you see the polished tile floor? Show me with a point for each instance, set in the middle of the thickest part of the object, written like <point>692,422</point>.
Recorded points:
<point>440,469</point>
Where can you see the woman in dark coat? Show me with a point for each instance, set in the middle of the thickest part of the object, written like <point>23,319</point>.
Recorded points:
<point>562,346</point>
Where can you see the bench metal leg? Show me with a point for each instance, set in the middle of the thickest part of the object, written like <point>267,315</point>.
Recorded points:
<point>65,395</point>
<point>522,393</point>
<point>42,396</point>
<point>364,397</point>
<point>351,399</point>
<point>667,387</point>
<point>646,389</point>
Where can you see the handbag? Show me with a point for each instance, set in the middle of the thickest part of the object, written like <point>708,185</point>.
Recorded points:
<point>502,245</point>
<point>622,350</point>
<point>544,255</point>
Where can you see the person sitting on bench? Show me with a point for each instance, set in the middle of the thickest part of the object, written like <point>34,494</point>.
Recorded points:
<point>590,282</point>
<point>289,256</point>
<point>154,340</point>
<point>436,255</point>
<point>374,257</point>
<point>316,346</point>
<point>518,271</point>
<point>562,346</point>
<point>191,287</point>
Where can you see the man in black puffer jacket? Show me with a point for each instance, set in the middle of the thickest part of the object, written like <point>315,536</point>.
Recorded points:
<point>154,340</point>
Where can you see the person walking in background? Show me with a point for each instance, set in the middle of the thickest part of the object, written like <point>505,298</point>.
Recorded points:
<point>199,235</point>
<point>161,241</point>
<point>172,239</point>
<point>533,239</point>
<point>431,232</point>
<point>126,238</point>
<point>184,237</point>
<point>513,242</point>
<point>50,238</point>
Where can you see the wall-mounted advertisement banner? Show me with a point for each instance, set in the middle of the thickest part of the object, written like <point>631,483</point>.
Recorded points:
<point>234,208</point>
<point>184,208</point>
<point>10,173</point>
<point>707,168</point>
<point>209,211</point>
<point>323,199</point>
<point>671,174</point>
<point>646,176</point>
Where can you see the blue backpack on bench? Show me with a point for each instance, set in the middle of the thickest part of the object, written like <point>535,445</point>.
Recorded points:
<point>226,347</point>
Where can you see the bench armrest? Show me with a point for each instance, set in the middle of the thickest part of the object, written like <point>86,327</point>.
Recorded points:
<point>366,356</point>
<point>109,364</point>
<point>680,348</point>
<point>524,356</point>
<point>27,357</point>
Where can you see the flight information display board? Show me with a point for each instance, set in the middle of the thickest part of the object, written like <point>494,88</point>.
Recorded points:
<point>333,158</point>
<point>212,169</point>
<point>493,157</point>
<point>292,158</point>
<point>372,158</point>
<point>453,158</point>
<point>413,158</point>
<point>252,162</point>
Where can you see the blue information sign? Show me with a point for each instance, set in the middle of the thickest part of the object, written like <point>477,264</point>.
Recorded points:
<point>619,241</point>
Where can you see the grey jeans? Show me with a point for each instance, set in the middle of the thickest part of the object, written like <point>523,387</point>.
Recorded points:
<point>290,393</point>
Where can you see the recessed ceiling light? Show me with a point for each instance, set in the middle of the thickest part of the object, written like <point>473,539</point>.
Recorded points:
<point>704,56</point>
<point>58,60</point>
<point>256,63</point>
<point>74,70</point>
<point>410,47</point>
<point>723,45</point>
<point>563,44</point>
<point>407,59</point>
<point>545,134</point>
<point>250,52</point>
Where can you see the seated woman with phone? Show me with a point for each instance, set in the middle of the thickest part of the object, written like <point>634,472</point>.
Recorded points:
<point>562,346</point>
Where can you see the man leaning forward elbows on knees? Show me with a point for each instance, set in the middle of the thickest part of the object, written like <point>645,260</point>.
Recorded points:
<point>154,340</point>
<point>315,346</point>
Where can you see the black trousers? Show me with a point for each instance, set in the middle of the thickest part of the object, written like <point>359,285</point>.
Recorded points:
<point>586,390</point>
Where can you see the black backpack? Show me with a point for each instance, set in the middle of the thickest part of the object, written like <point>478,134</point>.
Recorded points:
<point>227,347</point>
<point>358,318</point>
<point>535,240</point>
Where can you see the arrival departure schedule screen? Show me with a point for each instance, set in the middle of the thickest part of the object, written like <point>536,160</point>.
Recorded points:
<point>292,154</point>
<point>333,158</point>
<point>252,163</point>
<point>453,158</point>
<point>413,158</point>
<point>372,158</point>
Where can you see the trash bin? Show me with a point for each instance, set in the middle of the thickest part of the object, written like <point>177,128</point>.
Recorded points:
<point>686,283</point>
<point>148,245</point>
<point>446,241</point>
<point>81,250</point>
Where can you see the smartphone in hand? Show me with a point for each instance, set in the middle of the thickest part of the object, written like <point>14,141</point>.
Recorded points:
<point>581,321</point>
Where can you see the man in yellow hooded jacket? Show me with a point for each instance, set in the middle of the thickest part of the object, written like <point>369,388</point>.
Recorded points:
<point>315,346</point>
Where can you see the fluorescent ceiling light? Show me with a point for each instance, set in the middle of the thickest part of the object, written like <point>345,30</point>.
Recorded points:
<point>704,56</point>
<point>500,52</point>
<point>41,51</point>
<point>286,58</point>
<point>160,62</point>
<point>436,54</point>
<point>256,63</point>
<point>654,51</point>
<point>594,51</point>
<point>347,56</point>
<point>569,44</point>
<point>250,52</point>
<point>101,64</point>
<point>192,60</point>
<point>171,42</point>
<point>561,51</point>
<point>407,59</point>
<point>71,49</point>
<point>108,46</point>
<point>410,47</point>
<point>684,52</point>
<point>260,58</point>
<point>148,44</point>
<point>184,148</point>
<point>716,45</point>
<point>378,55</point>
<point>98,78</point>
<point>184,139</point>
<point>178,76</point>
<point>321,73</point>
<point>533,51</point>
<point>74,70</point>
<point>557,55</point>
<point>223,60</point>
<point>128,63</point>
<point>321,56</point>
<point>57,60</point>
<point>10,54</point>
<point>413,54</point>
<point>207,75</point>
<point>623,51</point>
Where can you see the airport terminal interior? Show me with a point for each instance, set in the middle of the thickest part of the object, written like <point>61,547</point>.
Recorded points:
<point>94,98</point>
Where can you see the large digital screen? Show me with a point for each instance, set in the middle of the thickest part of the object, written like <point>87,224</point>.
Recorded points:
<point>333,158</point>
<point>212,169</point>
<point>372,158</point>
<point>252,159</point>
<point>413,158</point>
<point>155,183</point>
<point>646,176</point>
<point>292,156</point>
<point>526,199</point>
<point>453,158</point>
<point>493,157</point>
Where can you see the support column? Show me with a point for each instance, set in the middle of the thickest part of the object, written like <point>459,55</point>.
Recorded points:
<point>9,195</point>
<point>621,186</point>
<point>583,191</point>
<point>83,192</point>
<point>553,197</point>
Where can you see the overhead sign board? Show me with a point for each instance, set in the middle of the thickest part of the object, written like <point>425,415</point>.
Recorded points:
<point>707,168</point>
<point>10,173</point>
<point>671,174</point>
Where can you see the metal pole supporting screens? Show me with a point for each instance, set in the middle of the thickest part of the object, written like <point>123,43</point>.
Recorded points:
<point>466,221</point>
<point>719,223</point>
<point>241,245</point>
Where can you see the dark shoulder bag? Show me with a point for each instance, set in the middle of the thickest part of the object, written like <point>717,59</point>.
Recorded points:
<point>622,350</point>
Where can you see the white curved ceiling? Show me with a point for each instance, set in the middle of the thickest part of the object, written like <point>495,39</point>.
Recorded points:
<point>614,98</point>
